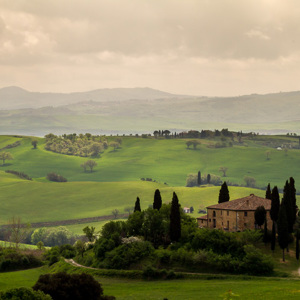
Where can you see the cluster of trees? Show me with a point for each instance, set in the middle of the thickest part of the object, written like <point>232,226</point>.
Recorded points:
<point>197,179</point>
<point>56,177</point>
<point>53,236</point>
<point>89,164</point>
<point>284,216</point>
<point>84,145</point>
<point>166,236</point>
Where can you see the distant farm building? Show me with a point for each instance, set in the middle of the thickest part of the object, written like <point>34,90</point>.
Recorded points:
<point>187,210</point>
<point>235,215</point>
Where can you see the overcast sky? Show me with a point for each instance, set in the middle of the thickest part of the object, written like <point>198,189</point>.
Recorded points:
<point>200,47</point>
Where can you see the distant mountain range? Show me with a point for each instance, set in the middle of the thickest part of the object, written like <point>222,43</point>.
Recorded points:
<point>140,110</point>
<point>15,97</point>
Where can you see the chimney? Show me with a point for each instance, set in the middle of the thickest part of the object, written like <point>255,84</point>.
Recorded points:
<point>252,195</point>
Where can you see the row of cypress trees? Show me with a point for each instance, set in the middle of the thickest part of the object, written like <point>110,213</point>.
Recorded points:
<point>283,214</point>
<point>175,219</point>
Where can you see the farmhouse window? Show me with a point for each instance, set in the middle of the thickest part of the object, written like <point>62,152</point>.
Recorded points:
<point>214,213</point>
<point>245,213</point>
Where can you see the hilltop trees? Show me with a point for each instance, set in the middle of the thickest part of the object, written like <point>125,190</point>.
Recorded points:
<point>224,193</point>
<point>86,145</point>
<point>4,156</point>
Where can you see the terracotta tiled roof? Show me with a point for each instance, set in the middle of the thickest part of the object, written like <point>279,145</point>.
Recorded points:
<point>247,203</point>
<point>202,218</point>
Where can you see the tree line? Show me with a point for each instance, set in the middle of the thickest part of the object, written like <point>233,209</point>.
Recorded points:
<point>84,145</point>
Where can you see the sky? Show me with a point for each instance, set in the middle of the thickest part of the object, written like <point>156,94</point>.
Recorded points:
<point>194,47</point>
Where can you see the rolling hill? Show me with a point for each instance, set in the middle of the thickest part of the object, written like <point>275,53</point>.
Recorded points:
<point>143,110</point>
<point>115,182</point>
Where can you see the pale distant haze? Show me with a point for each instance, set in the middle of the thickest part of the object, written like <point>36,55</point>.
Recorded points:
<point>212,48</point>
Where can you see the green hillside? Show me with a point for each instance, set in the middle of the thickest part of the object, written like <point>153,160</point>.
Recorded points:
<point>43,201</point>
<point>115,182</point>
<point>166,160</point>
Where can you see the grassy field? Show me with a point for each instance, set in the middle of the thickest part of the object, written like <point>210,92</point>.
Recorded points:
<point>165,161</point>
<point>123,289</point>
<point>41,201</point>
<point>116,183</point>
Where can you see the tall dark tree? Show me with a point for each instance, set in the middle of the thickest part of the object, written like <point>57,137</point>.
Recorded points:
<point>208,178</point>
<point>199,178</point>
<point>265,237</point>
<point>297,246</point>
<point>283,233</point>
<point>157,200</point>
<point>224,193</point>
<point>287,203</point>
<point>268,192</point>
<point>273,238</point>
<point>175,220</point>
<point>293,199</point>
<point>275,204</point>
<point>137,206</point>
<point>260,215</point>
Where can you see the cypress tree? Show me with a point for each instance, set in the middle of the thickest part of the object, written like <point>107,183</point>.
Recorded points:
<point>137,206</point>
<point>175,220</point>
<point>157,203</point>
<point>199,178</point>
<point>273,239</point>
<point>283,233</point>
<point>293,199</point>
<point>208,178</point>
<point>275,204</point>
<point>297,246</point>
<point>265,237</point>
<point>286,202</point>
<point>224,193</point>
<point>260,215</point>
<point>268,192</point>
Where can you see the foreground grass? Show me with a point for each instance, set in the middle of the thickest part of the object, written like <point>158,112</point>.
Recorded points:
<point>205,288</point>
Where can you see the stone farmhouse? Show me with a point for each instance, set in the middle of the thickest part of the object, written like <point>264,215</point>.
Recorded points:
<point>235,215</point>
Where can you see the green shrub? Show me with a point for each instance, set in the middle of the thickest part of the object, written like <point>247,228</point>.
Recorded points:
<point>125,255</point>
<point>24,293</point>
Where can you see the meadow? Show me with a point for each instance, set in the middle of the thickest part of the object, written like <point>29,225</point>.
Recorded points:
<point>203,287</point>
<point>115,182</point>
<point>50,201</point>
<point>166,161</point>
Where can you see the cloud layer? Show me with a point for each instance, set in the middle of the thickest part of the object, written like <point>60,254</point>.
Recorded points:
<point>221,47</point>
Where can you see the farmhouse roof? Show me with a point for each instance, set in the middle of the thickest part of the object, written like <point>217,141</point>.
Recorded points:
<point>202,218</point>
<point>247,203</point>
